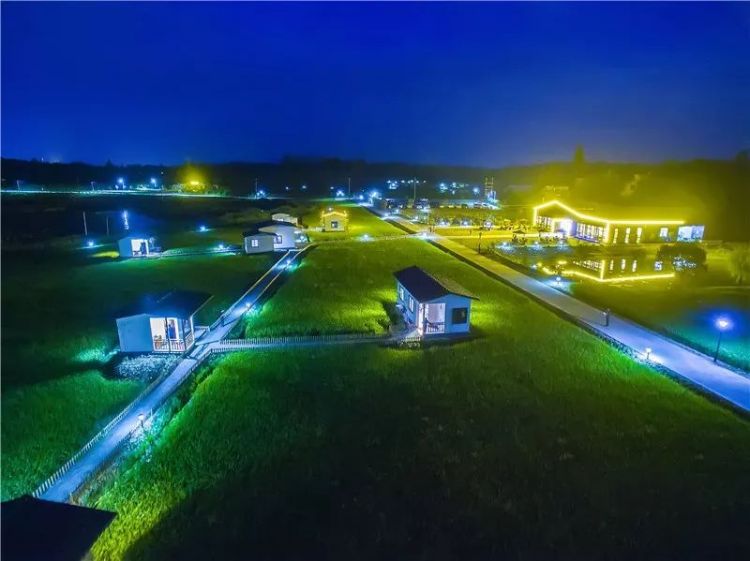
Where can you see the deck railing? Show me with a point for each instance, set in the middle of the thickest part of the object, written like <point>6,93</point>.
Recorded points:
<point>169,345</point>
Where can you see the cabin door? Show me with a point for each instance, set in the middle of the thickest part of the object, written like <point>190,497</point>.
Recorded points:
<point>434,316</point>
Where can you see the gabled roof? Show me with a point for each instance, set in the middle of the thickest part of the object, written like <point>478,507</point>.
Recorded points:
<point>334,211</point>
<point>38,530</point>
<point>256,232</point>
<point>136,237</point>
<point>425,287</point>
<point>269,223</point>
<point>177,303</point>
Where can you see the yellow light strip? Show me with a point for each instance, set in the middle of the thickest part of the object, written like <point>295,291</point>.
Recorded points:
<point>620,279</point>
<point>605,221</point>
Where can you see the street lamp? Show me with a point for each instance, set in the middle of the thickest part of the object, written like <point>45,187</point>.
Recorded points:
<point>722,324</point>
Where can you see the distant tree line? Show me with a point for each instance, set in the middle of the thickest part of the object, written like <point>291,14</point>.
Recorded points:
<point>717,191</point>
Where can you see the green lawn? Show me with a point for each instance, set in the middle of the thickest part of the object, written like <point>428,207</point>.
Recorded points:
<point>534,440</point>
<point>59,333</point>
<point>685,307</point>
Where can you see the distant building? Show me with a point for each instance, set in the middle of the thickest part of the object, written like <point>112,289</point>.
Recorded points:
<point>333,220</point>
<point>256,241</point>
<point>39,530</point>
<point>160,323</point>
<point>432,305</point>
<point>284,234</point>
<point>137,246</point>
<point>618,225</point>
<point>284,217</point>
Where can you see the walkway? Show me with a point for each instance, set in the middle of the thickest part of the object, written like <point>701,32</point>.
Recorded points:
<point>98,452</point>
<point>694,367</point>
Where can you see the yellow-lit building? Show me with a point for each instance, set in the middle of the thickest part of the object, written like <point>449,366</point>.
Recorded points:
<point>333,220</point>
<point>620,225</point>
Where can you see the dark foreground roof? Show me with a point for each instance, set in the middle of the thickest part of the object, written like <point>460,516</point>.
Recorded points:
<point>424,286</point>
<point>38,530</point>
<point>178,303</point>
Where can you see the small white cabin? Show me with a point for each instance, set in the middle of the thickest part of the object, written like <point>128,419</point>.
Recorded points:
<point>284,217</point>
<point>256,241</point>
<point>137,246</point>
<point>160,323</point>
<point>431,305</point>
<point>333,220</point>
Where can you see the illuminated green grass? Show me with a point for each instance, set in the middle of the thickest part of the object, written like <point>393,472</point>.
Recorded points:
<point>59,333</point>
<point>534,440</point>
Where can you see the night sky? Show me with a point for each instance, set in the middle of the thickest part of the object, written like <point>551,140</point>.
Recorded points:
<point>479,84</point>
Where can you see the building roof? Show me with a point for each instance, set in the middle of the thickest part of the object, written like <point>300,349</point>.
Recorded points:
<point>334,211</point>
<point>39,530</point>
<point>137,237</point>
<point>618,213</point>
<point>269,223</point>
<point>177,303</point>
<point>256,232</point>
<point>424,286</point>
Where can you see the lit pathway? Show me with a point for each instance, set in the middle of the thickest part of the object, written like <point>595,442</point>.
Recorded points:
<point>100,453</point>
<point>695,367</point>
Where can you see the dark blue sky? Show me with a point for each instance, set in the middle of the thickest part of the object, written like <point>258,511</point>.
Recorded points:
<point>480,84</point>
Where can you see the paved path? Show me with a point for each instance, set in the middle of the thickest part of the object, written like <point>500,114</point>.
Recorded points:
<point>697,368</point>
<point>151,399</point>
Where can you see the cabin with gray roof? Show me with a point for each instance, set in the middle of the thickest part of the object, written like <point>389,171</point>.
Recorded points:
<point>284,236</point>
<point>161,323</point>
<point>432,305</point>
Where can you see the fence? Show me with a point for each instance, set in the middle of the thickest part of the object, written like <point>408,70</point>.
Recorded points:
<point>62,470</point>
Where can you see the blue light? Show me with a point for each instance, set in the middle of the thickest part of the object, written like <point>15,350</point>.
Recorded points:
<point>202,228</point>
<point>90,243</point>
<point>221,247</point>
<point>153,181</point>
<point>723,324</point>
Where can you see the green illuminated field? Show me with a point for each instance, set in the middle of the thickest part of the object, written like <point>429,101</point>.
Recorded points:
<point>489,448</point>
<point>685,307</point>
<point>58,317</point>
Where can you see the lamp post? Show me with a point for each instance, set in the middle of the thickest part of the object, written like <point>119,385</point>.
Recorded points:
<point>722,324</point>
<point>648,353</point>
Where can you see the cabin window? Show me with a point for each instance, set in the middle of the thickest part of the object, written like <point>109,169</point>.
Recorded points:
<point>627,235</point>
<point>411,304</point>
<point>459,315</point>
<point>664,233</point>
<point>334,224</point>
<point>638,234</point>
<point>254,243</point>
<point>401,293</point>
<point>278,239</point>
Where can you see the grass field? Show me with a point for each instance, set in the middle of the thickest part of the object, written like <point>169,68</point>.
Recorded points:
<point>685,307</point>
<point>59,334</point>
<point>534,440</point>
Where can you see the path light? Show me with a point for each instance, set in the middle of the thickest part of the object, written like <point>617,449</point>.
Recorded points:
<point>722,324</point>
<point>558,280</point>
<point>202,228</point>
<point>648,353</point>
<point>90,243</point>
<point>141,420</point>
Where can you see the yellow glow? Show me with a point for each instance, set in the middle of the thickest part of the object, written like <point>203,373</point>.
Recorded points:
<point>620,279</point>
<point>604,221</point>
<point>332,212</point>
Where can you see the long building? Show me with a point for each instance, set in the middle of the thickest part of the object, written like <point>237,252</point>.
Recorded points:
<point>620,225</point>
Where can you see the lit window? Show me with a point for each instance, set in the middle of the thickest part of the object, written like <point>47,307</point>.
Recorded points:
<point>638,233</point>
<point>254,243</point>
<point>411,304</point>
<point>278,239</point>
<point>664,233</point>
<point>627,235</point>
<point>334,224</point>
<point>614,238</point>
<point>401,293</point>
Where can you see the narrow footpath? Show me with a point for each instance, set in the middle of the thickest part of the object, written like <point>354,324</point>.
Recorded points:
<point>89,462</point>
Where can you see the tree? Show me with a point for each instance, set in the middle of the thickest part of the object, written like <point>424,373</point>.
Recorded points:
<point>579,158</point>
<point>739,264</point>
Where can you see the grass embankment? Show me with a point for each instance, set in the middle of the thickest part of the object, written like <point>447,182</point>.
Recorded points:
<point>685,307</point>
<point>59,332</point>
<point>535,440</point>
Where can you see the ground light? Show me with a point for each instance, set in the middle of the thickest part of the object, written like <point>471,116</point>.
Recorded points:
<point>202,228</point>
<point>722,324</point>
<point>220,247</point>
<point>90,243</point>
<point>648,353</point>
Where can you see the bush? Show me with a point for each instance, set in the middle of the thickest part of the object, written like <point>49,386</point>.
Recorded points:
<point>684,251</point>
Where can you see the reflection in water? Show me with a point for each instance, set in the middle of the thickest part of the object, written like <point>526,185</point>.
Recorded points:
<point>619,270</point>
